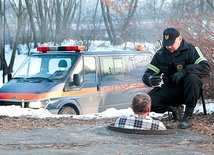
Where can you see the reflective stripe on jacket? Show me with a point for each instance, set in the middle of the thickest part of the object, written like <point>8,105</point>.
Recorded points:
<point>187,58</point>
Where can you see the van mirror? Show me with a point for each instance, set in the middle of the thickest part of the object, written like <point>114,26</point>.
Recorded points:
<point>76,79</point>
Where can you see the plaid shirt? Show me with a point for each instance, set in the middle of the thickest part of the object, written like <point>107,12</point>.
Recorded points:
<point>139,122</point>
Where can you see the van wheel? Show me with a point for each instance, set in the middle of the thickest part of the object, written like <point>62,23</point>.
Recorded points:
<point>67,110</point>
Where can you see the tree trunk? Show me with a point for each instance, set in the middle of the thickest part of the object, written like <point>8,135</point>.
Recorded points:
<point>108,29</point>
<point>1,39</point>
<point>132,9</point>
<point>30,13</point>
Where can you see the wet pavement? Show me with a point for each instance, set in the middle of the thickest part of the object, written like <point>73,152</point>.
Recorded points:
<point>86,139</point>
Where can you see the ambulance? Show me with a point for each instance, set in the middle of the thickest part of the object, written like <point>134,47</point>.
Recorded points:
<point>70,80</point>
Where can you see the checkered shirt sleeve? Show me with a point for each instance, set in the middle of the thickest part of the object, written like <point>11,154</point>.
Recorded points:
<point>139,122</point>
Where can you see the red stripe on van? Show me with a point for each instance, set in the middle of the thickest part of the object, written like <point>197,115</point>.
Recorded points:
<point>56,94</point>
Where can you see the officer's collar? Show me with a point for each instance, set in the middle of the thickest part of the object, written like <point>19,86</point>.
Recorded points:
<point>184,45</point>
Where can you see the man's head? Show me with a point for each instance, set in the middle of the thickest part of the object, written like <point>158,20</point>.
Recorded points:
<point>141,103</point>
<point>171,39</point>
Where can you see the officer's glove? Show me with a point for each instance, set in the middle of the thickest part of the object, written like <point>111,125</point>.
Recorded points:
<point>177,77</point>
<point>154,80</point>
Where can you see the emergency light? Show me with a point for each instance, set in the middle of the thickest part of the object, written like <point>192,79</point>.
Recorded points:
<point>45,49</point>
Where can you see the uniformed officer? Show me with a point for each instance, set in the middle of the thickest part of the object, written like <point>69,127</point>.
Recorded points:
<point>181,66</point>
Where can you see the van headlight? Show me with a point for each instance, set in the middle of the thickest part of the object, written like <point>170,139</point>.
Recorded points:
<point>38,104</point>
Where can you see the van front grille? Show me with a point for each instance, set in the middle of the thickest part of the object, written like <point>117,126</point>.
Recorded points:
<point>7,103</point>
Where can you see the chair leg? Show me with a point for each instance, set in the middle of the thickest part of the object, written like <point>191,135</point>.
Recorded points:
<point>203,102</point>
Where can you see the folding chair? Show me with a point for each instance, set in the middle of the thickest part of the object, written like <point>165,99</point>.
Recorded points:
<point>180,109</point>
<point>203,102</point>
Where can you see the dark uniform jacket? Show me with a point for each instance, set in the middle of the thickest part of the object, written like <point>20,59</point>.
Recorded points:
<point>187,58</point>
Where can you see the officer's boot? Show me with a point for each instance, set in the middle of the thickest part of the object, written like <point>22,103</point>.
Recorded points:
<point>186,120</point>
<point>176,113</point>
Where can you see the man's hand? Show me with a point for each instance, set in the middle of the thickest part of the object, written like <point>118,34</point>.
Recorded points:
<point>154,80</point>
<point>177,77</point>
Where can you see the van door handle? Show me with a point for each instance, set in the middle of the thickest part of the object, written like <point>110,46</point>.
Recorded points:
<point>98,87</point>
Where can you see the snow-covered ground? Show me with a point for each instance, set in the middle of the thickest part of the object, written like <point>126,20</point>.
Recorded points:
<point>15,111</point>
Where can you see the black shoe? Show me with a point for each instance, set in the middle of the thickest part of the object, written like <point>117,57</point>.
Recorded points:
<point>176,113</point>
<point>186,121</point>
<point>185,124</point>
<point>175,117</point>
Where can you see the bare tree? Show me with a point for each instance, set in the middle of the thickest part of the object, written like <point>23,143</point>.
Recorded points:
<point>30,14</point>
<point>128,19</point>
<point>64,14</point>
<point>4,25</point>
<point>88,33</point>
<point>125,10</point>
<point>108,22</point>
<point>1,37</point>
<point>20,14</point>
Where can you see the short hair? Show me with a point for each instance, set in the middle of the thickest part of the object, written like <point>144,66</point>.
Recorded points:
<point>141,102</point>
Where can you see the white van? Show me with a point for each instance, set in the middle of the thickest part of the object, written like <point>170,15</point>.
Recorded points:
<point>69,80</point>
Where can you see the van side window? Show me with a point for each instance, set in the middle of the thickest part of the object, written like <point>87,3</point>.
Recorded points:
<point>86,68</point>
<point>107,68</point>
<point>89,69</point>
<point>118,64</point>
<point>111,68</point>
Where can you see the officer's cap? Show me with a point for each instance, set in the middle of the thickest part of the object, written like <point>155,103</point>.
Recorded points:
<point>169,36</point>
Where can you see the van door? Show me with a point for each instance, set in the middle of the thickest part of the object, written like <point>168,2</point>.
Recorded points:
<point>115,84</point>
<point>87,94</point>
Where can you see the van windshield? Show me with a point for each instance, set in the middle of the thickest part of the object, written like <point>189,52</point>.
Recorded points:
<point>45,66</point>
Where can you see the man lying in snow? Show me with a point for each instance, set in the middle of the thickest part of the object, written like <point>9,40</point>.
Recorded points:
<point>141,105</point>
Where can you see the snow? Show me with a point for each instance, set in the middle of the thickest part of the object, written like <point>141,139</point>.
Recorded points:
<point>17,111</point>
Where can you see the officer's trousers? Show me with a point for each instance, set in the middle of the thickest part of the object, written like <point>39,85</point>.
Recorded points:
<point>188,92</point>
